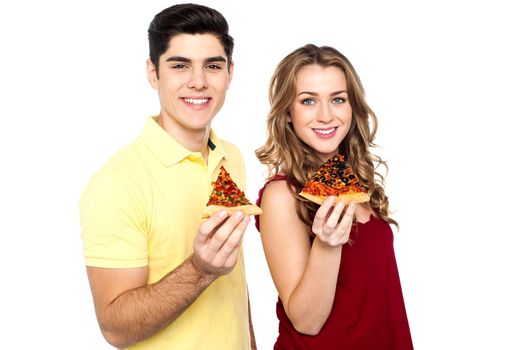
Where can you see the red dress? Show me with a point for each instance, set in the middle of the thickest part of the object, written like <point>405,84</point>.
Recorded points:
<point>368,310</point>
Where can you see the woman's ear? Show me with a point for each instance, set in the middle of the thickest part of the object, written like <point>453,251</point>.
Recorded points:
<point>288,117</point>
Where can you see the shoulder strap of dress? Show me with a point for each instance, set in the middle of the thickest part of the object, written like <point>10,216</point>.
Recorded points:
<point>277,177</point>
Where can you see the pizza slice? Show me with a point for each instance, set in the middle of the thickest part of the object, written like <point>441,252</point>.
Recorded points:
<point>227,196</point>
<point>335,178</point>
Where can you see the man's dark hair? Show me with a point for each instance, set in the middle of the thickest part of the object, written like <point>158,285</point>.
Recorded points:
<point>187,19</point>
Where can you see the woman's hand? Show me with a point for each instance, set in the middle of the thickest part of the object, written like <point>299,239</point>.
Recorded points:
<point>329,227</point>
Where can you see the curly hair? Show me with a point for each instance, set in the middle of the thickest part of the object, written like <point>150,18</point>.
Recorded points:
<point>284,152</point>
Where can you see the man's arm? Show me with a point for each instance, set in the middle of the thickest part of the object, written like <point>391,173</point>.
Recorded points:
<point>129,310</point>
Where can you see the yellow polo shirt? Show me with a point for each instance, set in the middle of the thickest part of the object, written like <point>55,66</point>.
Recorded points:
<point>143,208</point>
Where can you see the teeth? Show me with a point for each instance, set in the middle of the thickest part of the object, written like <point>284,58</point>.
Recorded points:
<point>196,101</point>
<point>324,131</point>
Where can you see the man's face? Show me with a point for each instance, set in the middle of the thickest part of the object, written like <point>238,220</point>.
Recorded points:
<point>192,81</point>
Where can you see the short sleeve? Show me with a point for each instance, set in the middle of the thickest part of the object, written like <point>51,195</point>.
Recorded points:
<point>113,223</point>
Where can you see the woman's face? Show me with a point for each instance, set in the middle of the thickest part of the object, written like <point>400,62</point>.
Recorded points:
<point>321,113</point>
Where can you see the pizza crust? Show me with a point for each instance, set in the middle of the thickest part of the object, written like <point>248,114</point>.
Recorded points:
<point>246,209</point>
<point>348,198</point>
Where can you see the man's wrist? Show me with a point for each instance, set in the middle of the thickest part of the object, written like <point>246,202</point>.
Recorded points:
<point>204,276</point>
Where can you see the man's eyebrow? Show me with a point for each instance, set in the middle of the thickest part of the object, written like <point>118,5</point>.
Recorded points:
<point>215,59</point>
<point>187,60</point>
<point>178,59</point>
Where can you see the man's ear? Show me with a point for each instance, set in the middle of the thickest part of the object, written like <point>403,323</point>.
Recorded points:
<point>230,72</point>
<point>151,74</point>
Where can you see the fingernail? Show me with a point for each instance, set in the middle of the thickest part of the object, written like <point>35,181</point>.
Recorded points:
<point>239,215</point>
<point>223,214</point>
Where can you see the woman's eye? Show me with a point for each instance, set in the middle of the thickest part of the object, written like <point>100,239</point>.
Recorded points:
<point>339,100</point>
<point>307,101</point>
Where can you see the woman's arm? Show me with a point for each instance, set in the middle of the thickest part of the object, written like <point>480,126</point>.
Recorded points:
<point>305,276</point>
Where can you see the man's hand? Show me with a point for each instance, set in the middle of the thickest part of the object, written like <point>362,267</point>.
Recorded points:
<point>217,243</point>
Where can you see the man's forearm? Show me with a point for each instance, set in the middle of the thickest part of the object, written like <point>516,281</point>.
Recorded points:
<point>142,312</point>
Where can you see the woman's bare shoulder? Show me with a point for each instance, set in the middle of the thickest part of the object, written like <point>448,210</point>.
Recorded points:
<point>277,192</point>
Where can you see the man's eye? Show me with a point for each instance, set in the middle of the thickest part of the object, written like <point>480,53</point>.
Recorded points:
<point>179,66</point>
<point>307,101</point>
<point>339,100</point>
<point>213,67</point>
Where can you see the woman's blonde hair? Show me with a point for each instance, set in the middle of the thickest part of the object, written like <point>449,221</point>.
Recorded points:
<point>284,152</point>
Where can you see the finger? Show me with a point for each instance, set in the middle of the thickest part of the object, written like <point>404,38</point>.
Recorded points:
<point>321,214</point>
<point>232,258</point>
<point>234,240</point>
<point>233,243</point>
<point>348,217</point>
<point>346,222</point>
<point>334,218</point>
<point>224,231</point>
<point>207,227</point>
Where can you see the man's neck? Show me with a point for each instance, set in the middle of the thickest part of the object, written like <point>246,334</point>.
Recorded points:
<point>194,141</point>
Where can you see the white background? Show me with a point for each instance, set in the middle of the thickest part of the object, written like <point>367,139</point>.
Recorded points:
<point>446,79</point>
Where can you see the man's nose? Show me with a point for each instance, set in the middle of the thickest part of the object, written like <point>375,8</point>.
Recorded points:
<point>197,79</point>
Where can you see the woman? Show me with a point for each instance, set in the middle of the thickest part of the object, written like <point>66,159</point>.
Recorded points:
<point>333,266</point>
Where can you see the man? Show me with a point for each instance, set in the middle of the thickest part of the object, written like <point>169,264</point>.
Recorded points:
<point>160,275</point>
